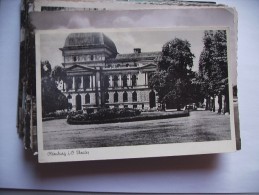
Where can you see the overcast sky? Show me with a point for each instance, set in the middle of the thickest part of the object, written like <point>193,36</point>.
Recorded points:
<point>183,24</point>
<point>125,41</point>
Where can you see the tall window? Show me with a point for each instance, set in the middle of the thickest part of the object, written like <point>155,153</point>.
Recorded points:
<point>125,96</point>
<point>78,83</point>
<point>134,80</point>
<point>69,83</point>
<point>124,81</point>
<point>106,82</point>
<point>115,97</point>
<point>106,95</point>
<point>87,98</point>
<point>134,96</point>
<point>115,81</point>
<point>86,82</point>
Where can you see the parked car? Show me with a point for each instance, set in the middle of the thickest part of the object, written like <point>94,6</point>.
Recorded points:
<point>190,107</point>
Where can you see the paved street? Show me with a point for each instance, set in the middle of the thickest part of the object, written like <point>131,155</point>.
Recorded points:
<point>199,126</point>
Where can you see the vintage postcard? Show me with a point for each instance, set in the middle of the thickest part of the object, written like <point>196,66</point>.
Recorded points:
<point>115,93</point>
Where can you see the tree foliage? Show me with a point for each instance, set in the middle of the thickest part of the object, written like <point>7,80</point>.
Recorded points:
<point>172,80</point>
<point>213,68</point>
<point>52,98</point>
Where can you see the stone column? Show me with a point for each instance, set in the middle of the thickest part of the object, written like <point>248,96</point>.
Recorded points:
<point>82,82</point>
<point>119,84</point>
<point>97,95</point>
<point>110,80</point>
<point>65,86</point>
<point>74,83</point>
<point>91,79</point>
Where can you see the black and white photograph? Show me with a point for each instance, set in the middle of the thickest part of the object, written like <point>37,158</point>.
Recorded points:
<point>111,88</point>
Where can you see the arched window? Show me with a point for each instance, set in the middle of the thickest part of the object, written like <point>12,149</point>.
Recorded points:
<point>78,102</point>
<point>92,57</point>
<point>106,95</point>
<point>87,99</point>
<point>115,81</point>
<point>125,96</point>
<point>134,80</point>
<point>124,81</point>
<point>115,97</point>
<point>134,96</point>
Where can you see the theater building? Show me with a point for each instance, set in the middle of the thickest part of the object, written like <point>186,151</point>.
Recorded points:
<point>97,75</point>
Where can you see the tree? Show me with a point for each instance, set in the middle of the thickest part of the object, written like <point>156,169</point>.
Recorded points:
<point>172,80</point>
<point>52,98</point>
<point>59,74</point>
<point>213,73</point>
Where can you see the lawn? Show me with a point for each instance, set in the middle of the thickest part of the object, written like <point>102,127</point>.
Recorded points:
<point>199,126</point>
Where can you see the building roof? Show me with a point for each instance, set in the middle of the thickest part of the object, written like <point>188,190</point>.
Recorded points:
<point>138,55</point>
<point>89,39</point>
<point>134,57</point>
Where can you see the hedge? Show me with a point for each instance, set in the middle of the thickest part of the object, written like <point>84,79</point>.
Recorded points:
<point>79,120</point>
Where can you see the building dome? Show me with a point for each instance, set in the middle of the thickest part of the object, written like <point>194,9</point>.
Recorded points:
<point>89,39</point>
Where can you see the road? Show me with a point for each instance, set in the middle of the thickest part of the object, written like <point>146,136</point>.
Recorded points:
<point>199,126</point>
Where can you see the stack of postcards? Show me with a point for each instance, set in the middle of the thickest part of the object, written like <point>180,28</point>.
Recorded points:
<point>127,79</point>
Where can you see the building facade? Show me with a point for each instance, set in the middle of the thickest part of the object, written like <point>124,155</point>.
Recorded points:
<point>97,75</point>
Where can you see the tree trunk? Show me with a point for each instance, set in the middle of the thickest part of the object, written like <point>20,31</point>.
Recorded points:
<point>226,103</point>
<point>213,103</point>
<point>207,103</point>
<point>220,103</point>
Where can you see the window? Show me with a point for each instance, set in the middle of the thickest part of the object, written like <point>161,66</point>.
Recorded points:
<point>126,106</point>
<point>125,96</point>
<point>87,98</point>
<point>127,65</point>
<point>115,81</point>
<point>78,83</point>
<point>124,81</point>
<point>135,106</point>
<point>86,82</point>
<point>134,96</point>
<point>69,83</point>
<point>106,82</point>
<point>134,80</point>
<point>92,57</point>
<point>106,95</point>
<point>115,97</point>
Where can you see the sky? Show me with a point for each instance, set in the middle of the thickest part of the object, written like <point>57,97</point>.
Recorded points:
<point>126,29</point>
<point>125,40</point>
